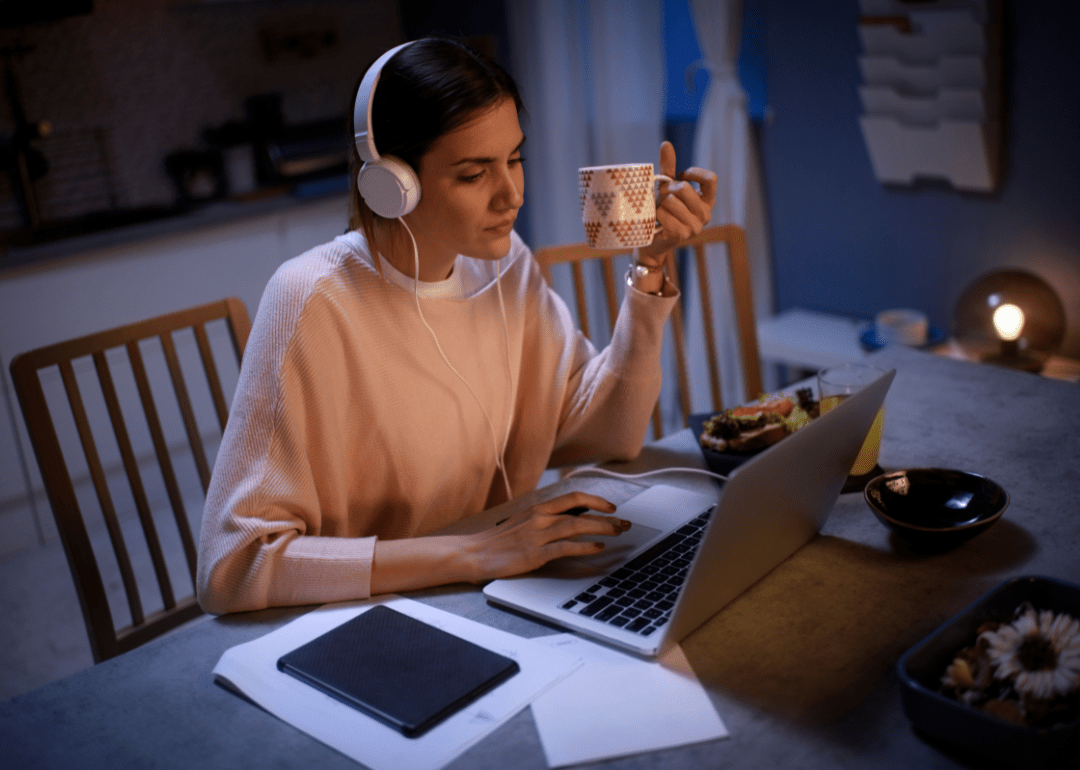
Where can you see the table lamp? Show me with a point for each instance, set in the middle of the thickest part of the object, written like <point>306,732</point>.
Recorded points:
<point>1011,318</point>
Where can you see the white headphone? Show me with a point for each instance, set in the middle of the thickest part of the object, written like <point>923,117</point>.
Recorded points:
<point>388,185</point>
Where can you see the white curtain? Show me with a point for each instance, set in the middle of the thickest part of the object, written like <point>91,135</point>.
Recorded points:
<point>592,79</point>
<point>724,143</point>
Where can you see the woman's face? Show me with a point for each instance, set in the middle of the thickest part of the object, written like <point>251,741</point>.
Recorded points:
<point>471,187</point>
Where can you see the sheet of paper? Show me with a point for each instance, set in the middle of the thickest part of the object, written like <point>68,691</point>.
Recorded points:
<point>617,704</point>
<point>251,669</point>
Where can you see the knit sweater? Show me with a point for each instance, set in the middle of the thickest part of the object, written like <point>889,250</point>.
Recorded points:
<point>347,425</point>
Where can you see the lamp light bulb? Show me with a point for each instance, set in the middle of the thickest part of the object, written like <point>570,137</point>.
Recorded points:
<point>1008,321</point>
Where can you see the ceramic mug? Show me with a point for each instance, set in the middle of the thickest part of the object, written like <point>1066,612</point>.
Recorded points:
<point>618,204</point>
<point>903,326</point>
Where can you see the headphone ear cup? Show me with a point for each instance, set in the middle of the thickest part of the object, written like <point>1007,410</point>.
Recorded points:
<point>389,187</point>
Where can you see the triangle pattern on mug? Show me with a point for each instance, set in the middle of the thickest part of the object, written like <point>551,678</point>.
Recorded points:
<point>629,231</point>
<point>637,198</point>
<point>603,202</point>
<point>592,231</point>
<point>586,177</point>
<point>617,175</point>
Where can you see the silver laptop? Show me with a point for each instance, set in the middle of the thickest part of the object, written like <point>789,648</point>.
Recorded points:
<point>687,555</point>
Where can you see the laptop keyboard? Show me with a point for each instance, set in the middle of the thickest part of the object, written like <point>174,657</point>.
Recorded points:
<point>640,595</point>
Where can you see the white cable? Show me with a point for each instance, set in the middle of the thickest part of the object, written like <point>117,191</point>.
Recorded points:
<point>509,367</point>
<point>616,474</point>
<point>416,297</point>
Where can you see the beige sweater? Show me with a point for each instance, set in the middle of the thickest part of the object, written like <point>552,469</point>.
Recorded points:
<point>347,425</point>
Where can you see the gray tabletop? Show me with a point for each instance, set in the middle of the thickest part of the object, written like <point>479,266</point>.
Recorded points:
<point>801,667</point>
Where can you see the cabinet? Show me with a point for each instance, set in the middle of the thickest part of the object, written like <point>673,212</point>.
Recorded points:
<point>931,91</point>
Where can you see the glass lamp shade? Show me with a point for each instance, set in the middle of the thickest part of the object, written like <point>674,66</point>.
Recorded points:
<point>1010,318</point>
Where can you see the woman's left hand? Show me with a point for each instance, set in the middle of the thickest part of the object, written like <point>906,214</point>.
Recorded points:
<point>682,210</point>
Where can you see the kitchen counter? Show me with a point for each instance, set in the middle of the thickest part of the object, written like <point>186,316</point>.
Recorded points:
<point>147,224</point>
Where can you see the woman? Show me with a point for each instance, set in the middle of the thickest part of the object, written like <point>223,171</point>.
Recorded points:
<point>373,408</point>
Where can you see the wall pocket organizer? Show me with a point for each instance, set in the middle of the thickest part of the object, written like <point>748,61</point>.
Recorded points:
<point>931,90</point>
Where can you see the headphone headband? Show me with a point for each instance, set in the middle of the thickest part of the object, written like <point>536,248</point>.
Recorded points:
<point>365,140</point>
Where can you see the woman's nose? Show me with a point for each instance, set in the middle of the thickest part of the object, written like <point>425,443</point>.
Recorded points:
<point>510,194</point>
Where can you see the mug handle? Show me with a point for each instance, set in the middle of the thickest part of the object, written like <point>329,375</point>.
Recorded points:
<point>657,227</point>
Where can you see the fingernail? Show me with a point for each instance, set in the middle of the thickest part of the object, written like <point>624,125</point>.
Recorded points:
<point>611,507</point>
<point>624,525</point>
<point>598,546</point>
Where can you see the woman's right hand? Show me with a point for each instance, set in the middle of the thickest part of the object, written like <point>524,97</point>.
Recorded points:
<point>529,539</point>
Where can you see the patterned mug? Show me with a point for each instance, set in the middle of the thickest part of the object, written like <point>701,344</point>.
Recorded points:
<point>618,204</point>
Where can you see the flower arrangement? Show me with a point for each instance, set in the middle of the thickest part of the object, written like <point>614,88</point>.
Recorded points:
<point>1025,671</point>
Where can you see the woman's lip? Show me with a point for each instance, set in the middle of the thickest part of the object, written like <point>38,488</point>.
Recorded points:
<point>505,226</point>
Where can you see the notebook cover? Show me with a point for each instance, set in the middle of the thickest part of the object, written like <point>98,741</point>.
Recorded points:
<point>399,670</point>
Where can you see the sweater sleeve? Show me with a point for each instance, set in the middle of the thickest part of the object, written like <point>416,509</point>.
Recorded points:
<point>609,395</point>
<point>272,533</point>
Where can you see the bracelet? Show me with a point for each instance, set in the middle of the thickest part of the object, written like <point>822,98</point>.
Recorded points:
<point>642,269</point>
<point>638,270</point>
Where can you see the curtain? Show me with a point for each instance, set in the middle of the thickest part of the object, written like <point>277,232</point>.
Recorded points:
<point>592,79</point>
<point>724,143</point>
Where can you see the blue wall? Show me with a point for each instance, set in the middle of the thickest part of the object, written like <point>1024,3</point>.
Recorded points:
<point>844,243</point>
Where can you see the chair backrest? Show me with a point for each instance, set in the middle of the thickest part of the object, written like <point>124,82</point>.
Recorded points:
<point>734,239</point>
<point>102,429</point>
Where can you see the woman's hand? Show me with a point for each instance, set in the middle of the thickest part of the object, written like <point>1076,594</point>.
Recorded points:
<point>682,210</point>
<point>518,544</point>
<point>537,535</point>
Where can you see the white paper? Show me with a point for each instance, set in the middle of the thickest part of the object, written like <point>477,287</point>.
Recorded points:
<point>617,704</point>
<point>251,669</point>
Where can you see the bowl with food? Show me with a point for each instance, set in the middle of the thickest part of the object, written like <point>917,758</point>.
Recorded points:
<point>1001,679</point>
<point>730,438</point>
<point>935,508</point>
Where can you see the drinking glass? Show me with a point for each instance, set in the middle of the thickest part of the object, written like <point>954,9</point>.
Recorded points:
<point>837,383</point>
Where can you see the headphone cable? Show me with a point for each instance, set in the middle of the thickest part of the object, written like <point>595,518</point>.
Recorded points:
<point>499,456</point>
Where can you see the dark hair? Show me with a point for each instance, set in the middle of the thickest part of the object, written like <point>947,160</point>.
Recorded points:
<point>426,90</point>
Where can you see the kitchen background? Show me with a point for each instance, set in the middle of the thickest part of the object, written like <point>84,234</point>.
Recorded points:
<point>132,83</point>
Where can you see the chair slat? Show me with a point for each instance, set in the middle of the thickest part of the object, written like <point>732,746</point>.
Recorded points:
<point>739,264</point>
<point>212,378</point>
<point>97,477</point>
<point>582,303</point>
<point>161,449</point>
<point>131,467</point>
<point>239,326</point>
<point>191,427</point>
<point>710,334</point>
<point>677,337</point>
<point>608,264</point>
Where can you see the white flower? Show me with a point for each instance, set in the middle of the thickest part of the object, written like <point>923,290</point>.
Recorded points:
<point>1038,651</point>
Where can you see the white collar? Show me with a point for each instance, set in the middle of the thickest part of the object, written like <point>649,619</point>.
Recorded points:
<point>468,277</point>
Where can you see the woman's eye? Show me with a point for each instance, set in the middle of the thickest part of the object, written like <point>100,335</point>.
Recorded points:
<point>517,161</point>
<point>471,178</point>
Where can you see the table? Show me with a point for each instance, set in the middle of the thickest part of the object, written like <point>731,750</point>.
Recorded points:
<point>800,667</point>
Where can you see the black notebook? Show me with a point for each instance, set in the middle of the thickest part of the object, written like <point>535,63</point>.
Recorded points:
<point>397,669</point>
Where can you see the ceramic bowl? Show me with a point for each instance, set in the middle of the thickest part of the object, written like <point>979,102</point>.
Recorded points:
<point>935,508</point>
<point>971,730</point>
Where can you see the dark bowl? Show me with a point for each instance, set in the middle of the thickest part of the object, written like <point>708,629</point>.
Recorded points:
<point>936,508</point>
<point>718,462</point>
<point>968,728</point>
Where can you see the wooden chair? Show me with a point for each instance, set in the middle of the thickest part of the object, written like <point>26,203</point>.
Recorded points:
<point>93,449</point>
<point>735,240</point>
